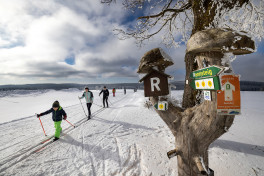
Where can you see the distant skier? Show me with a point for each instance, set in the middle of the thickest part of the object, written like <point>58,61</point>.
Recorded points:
<point>57,113</point>
<point>89,100</point>
<point>105,95</point>
<point>124,90</point>
<point>114,91</point>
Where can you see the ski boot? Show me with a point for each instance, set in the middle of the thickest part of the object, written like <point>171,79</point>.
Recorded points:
<point>55,139</point>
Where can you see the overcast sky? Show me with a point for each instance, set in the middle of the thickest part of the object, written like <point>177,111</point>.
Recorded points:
<point>66,41</point>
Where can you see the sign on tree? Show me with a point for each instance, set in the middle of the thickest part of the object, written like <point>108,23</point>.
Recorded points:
<point>206,84</point>
<point>228,99</point>
<point>206,78</point>
<point>156,84</point>
<point>163,106</point>
<point>206,72</point>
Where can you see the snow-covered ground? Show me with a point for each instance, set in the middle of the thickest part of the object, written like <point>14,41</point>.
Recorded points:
<point>125,139</point>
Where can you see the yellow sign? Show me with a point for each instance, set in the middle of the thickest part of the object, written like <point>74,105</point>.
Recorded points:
<point>162,105</point>
<point>210,84</point>
<point>204,83</point>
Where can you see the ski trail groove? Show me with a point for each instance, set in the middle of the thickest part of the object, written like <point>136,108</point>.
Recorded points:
<point>92,165</point>
<point>118,152</point>
<point>27,152</point>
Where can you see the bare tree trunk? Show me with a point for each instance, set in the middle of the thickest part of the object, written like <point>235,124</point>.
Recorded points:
<point>197,127</point>
<point>189,95</point>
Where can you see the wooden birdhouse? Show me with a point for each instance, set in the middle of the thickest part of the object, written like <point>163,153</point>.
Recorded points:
<point>156,84</point>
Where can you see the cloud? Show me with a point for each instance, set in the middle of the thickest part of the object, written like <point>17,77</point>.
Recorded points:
<point>250,67</point>
<point>38,38</point>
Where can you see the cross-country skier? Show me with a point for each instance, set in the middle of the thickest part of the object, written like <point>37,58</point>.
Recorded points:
<point>57,113</point>
<point>105,95</point>
<point>88,95</point>
<point>124,90</point>
<point>114,91</point>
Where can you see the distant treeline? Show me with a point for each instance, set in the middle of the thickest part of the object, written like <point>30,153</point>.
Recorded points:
<point>251,86</point>
<point>68,86</point>
<point>244,86</point>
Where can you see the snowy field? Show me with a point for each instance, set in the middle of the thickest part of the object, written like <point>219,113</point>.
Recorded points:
<point>125,139</point>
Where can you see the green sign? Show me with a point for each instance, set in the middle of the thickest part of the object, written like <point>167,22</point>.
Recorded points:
<point>206,84</point>
<point>205,72</point>
<point>163,105</point>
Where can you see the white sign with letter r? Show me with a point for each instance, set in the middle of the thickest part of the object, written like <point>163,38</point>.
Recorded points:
<point>156,84</point>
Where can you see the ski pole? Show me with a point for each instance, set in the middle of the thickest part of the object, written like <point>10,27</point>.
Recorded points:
<point>101,98</point>
<point>83,108</point>
<point>42,126</point>
<point>70,123</point>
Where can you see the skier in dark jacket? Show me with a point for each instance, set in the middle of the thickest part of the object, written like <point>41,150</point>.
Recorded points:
<point>57,113</point>
<point>89,100</point>
<point>105,95</point>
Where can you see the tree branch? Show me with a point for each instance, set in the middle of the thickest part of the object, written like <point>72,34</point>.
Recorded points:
<point>182,9</point>
<point>172,117</point>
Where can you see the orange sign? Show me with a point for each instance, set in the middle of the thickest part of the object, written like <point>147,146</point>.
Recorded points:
<point>228,98</point>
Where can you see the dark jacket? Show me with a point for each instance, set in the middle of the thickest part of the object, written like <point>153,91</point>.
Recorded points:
<point>105,93</point>
<point>56,115</point>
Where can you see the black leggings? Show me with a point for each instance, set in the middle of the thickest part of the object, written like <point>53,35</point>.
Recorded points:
<point>89,105</point>
<point>105,99</point>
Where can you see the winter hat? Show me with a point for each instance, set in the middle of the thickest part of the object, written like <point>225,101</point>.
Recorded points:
<point>104,86</point>
<point>86,88</point>
<point>56,104</point>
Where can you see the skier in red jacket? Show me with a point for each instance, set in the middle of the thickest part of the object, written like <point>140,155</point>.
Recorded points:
<point>114,91</point>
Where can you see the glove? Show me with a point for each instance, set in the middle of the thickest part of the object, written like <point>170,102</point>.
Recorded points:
<point>38,115</point>
<point>65,117</point>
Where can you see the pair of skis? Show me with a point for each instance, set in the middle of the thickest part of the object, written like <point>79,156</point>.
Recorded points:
<point>88,117</point>
<point>47,139</point>
<point>45,142</point>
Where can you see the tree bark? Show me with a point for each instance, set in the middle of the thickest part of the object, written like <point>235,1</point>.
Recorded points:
<point>189,95</point>
<point>197,127</point>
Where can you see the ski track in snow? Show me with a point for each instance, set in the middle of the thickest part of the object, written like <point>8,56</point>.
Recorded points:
<point>125,139</point>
